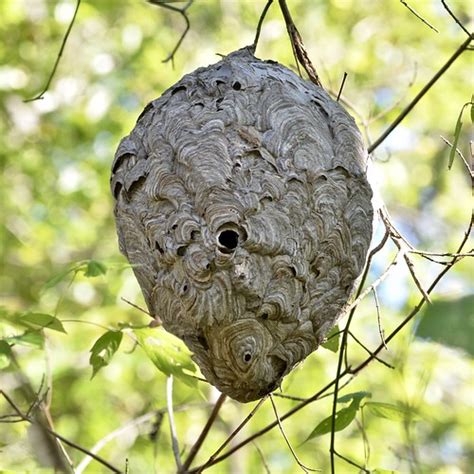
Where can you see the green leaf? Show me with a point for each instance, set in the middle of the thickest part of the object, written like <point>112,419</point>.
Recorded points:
<point>332,340</point>
<point>28,338</point>
<point>95,268</point>
<point>5,354</point>
<point>344,416</point>
<point>168,353</point>
<point>42,321</point>
<point>104,349</point>
<point>449,322</point>
<point>457,133</point>
<point>390,411</point>
<point>383,471</point>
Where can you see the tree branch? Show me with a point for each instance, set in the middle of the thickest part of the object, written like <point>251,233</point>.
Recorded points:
<point>56,63</point>
<point>420,95</point>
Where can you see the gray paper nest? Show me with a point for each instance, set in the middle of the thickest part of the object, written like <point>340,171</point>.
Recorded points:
<point>243,206</point>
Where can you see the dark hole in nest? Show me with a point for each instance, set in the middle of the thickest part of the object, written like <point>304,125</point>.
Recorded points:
<point>178,89</point>
<point>158,247</point>
<point>202,340</point>
<point>247,357</point>
<point>264,316</point>
<point>228,239</point>
<point>181,251</point>
<point>236,86</point>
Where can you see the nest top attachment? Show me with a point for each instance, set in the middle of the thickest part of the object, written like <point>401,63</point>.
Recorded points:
<point>243,205</point>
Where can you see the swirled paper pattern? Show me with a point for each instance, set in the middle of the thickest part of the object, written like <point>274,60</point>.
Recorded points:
<point>243,205</point>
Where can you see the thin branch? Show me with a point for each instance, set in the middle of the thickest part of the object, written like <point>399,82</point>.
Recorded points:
<point>379,323</point>
<point>169,406</point>
<point>133,305</point>
<point>342,86</point>
<point>413,274</point>
<point>297,44</point>
<point>377,282</point>
<point>262,457</point>
<point>420,95</point>
<point>453,16</point>
<point>259,26</point>
<point>213,459</point>
<point>289,397</point>
<point>183,13</point>
<point>369,351</point>
<point>56,63</point>
<point>418,15</point>
<point>58,436</point>
<point>458,151</point>
<point>306,469</point>
<point>197,445</point>
<point>352,463</point>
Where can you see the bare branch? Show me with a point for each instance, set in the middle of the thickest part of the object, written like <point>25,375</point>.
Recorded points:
<point>453,16</point>
<point>379,323</point>
<point>369,351</point>
<point>260,453</point>
<point>420,95</point>
<point>56,63</point>
<point>306,469</point>
<point>297,44</point>
<point>458,151</point>
<point>260,23</point>
<point>342,86</point>
<point>403,2</point>
<point>352,463</point>
<point>197,445</point>
<point>183,13</point>
<point>213,459</point>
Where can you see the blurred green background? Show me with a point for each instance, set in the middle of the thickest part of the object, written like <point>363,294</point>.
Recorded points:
<point>56,208</point>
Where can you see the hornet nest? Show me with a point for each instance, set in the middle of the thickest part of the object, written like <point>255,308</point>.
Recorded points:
<point>243,205</point>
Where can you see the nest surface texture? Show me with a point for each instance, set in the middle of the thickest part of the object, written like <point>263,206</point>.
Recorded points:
<point>243,205</point>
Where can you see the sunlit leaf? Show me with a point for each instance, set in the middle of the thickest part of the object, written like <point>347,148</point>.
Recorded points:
<point>95,268</point>
<point>457,133</point>
<point>332,340</point>
<point>383,471</point>
<point>42,321</point>
<point>104,349</point>
<point>389,411</point>
<point>344,416</point>
<point>168,353</point>
<point>5,354</point>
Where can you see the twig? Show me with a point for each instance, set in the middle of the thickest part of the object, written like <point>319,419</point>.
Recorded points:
<point>297,44</point>
<point>453,16</point>
<point>363,469</point>
<point>197,445</point>
<point>169,406</point>
<point>420,95</point>
<point>458,151</point>
<point>158,414</point>
<point>182,12</point>
<point>56,63</point>
<point>136,306</point>
<point>305,468</point>
<point>213,459</point>
<point>289,397</point>
<point>413,274</point>
<point>260,23</point>
<point>260,453</point>
<point>379,323</point>
<point>377,282</point>
<point>369,351</point>
<point>418,15</point>
<point>58,436</point>
<point>342,86</point>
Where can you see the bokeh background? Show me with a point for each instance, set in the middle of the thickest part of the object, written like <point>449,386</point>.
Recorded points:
<point>57,212</point>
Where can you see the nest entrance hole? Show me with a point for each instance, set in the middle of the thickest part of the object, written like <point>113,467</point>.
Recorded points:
<point>228,240</point>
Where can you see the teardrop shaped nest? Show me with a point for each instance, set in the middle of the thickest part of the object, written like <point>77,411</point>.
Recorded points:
<point>243,205</point>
